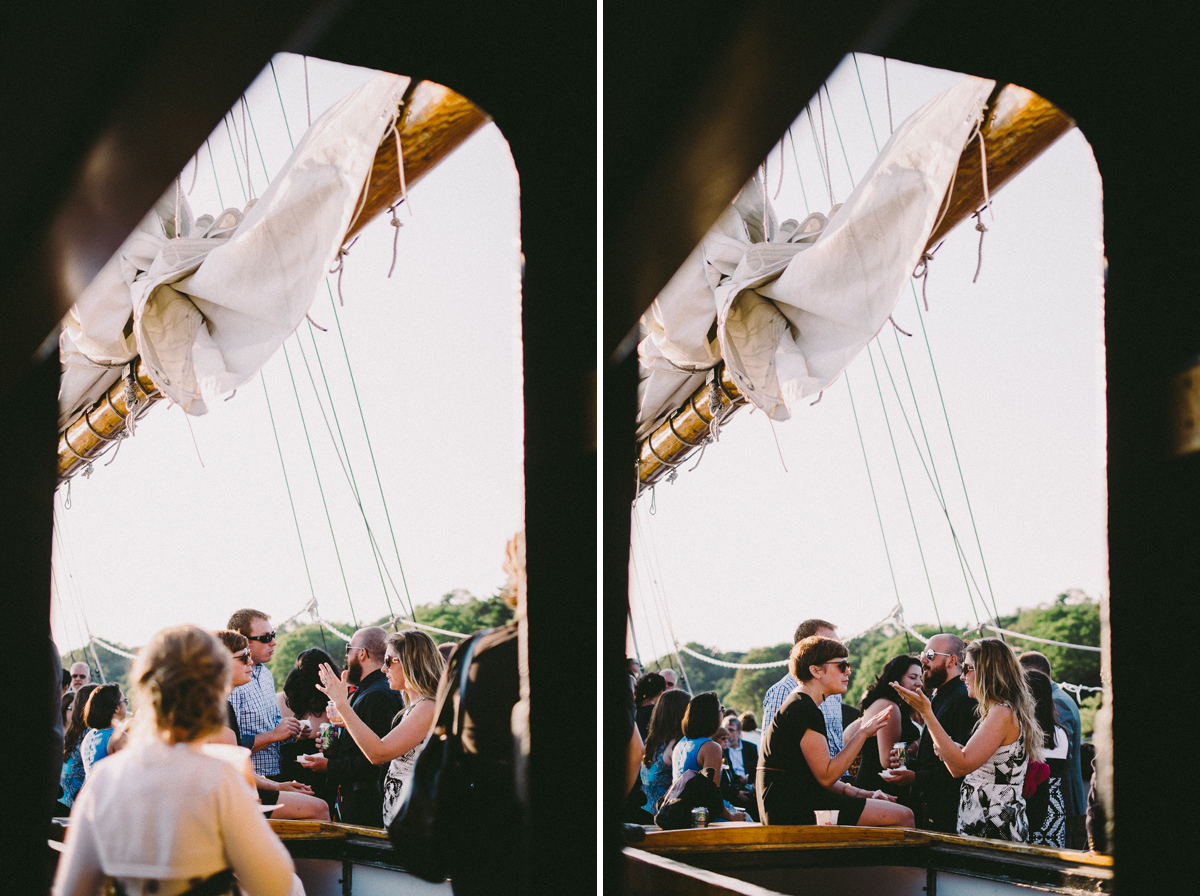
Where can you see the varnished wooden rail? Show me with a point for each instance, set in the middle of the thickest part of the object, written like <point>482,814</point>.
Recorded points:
<point>1018,127</point>
<point>433,122</point>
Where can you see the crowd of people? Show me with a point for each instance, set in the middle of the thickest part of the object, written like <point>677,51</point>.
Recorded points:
<point>966,738</point>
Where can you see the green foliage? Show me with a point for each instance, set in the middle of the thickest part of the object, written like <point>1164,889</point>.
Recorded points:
<point>1073,623</point>
<point>116,667</point>
<point>297,639</point>
<point>750,685</point>
<point>870,653</point>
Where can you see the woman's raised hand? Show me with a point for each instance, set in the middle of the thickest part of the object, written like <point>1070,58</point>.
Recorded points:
<point>872,725</point>
<point>332,686</point>
<point>916,699</point>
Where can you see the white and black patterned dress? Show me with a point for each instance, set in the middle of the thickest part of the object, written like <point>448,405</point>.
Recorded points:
<point>1053,831</point>
<point>400,769</point>
<point>990,802</point>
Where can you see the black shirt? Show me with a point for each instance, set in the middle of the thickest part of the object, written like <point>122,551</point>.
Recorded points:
<point>935,791</point>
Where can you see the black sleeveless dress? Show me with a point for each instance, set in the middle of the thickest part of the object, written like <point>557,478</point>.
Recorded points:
<point>869,769</point>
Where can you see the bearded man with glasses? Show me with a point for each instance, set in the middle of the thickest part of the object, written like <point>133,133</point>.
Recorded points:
<point>261,724</point>
<point>935,792</point>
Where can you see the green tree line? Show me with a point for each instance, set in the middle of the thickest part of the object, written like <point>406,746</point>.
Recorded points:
<point>1067,619</point>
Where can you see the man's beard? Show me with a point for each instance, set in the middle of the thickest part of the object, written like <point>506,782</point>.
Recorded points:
<point>935,678</point>
<point>354,670</point>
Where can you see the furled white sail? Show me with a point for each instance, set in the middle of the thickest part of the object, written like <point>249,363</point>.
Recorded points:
<point>207,306</point>
<point>788,307</point>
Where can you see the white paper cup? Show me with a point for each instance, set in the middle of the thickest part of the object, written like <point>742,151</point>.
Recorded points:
<point>827,816</point>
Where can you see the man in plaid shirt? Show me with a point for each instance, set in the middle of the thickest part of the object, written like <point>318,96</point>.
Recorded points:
<point>831,706</point>
<point>262,725</point>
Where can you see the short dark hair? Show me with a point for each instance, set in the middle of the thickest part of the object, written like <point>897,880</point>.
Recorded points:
<point>749,722</point>
<point>300,687</point>
<point>1043,703</point>
<point>810,627</point>
<point>66,678</point>
<point>897,667</point>
<point>1033,659</point>
<point>703,716</point>
<point>241,619</point>
<point>814,651</point>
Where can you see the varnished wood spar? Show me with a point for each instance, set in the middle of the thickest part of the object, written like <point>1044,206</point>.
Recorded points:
<point>434,121</point>
<point>105,421</point>
<point>1017,128</point>
<point>686,428</point>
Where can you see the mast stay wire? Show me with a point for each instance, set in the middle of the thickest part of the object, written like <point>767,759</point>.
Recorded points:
<point>57,531</point>
<point>661,599</point>
<point>349,366</point>
<point>642,603</point>
<point>648,594</point>
<point>937,488</point>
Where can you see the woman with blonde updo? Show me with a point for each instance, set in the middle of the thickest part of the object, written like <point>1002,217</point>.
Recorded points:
<point>167,810</point>
<point>1007,735</point>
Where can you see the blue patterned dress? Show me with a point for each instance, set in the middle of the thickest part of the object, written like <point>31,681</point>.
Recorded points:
<point>71,778</point>
<point>656,779</point>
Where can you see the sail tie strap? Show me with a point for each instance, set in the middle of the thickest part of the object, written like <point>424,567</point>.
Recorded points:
<point>339,265</point>
<point>987,204</point>
<point>921,272</point>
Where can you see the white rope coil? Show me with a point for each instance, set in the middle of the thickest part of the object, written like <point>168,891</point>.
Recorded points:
<point>112,648</point>
<point>1005,631</point>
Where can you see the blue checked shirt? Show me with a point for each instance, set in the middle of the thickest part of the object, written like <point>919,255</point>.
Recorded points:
<point>257,711</point>
<point>831,709</point>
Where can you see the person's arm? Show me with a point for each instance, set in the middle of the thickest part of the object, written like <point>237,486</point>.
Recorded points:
<point>79,871</point>
<point>633,758</point>
<point>960,761</point>
<point>709,756</point>
<point>285,729</point>
<point>256,855</point>
<point>887,736</point>
<point>828,769</point>
<point>396,742</point>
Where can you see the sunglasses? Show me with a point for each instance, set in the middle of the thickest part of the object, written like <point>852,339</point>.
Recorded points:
<point>931,653</point>
<point>262,639</point>
<point>389,661</point>
<point>244,657</point>
<point>843,665</point>
<point>968,668</point>
<point>350,648</point>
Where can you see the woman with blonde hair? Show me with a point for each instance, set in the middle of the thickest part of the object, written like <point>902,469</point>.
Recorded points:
<point>167,814</point>
<point>413,665</point>
<point>993,762</point>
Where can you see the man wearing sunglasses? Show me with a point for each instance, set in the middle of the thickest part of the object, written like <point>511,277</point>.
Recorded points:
<point>831,706</point>
<point>262,726</point>
<point>935,792</point>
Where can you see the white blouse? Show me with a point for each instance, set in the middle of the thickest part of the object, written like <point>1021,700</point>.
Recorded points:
<point>170,813</point>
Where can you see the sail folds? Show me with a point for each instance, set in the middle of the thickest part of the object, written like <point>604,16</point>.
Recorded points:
<point>206,302</point>
<point>789,306</point>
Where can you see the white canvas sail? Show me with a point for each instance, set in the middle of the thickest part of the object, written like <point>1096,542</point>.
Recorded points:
<point>207,306</point>
<point>789,306</point>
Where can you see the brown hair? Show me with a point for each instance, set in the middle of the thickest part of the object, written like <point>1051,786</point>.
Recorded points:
<point>77,727</point>
<point>814,651</point>
<point>235,641</point>
<point>101,706</point>
<point>184,673</point>
<point>420,660</point>
<point>703,716</point>
<point>241,619</point>
<point>666,723</point>
<point>810,627</point>
<point>1000,680</point>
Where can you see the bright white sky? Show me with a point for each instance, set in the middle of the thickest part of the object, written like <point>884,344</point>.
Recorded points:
<point>158,539</point>
<point>738,551</point>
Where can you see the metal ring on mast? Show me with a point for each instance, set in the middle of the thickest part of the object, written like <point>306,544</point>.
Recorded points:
<point>92,429</point>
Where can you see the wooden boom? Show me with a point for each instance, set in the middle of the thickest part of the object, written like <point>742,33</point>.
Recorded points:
<point>434,121</point>
<point>1018,127</point>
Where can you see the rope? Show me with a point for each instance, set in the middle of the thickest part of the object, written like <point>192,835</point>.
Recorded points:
<point>320,487</point>
<point>1005,631</point>
<point>429,628</point>
<point>887,86</point>
<point>796,159</point>
<point>112,648</point>
<point>1076,689</point>
<point>712,661</point>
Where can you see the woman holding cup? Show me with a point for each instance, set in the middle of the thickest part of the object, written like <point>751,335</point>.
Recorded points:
<point>993,762</point>
<point>796,775</point>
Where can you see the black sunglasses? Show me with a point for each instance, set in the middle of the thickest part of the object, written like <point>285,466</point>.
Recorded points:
<point>262,639</point>
<point>843,665</point>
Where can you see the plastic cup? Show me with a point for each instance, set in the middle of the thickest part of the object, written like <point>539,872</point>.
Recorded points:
<point>827,816</point>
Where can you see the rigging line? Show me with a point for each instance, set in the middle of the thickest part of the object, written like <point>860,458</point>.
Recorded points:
<point>957,462</point>
<point>68,568</point>
<point>673,641</point>
<point>277,90</point>
<point>216,181</point>
<point>866,105</point>
<point>320,488</point>
<point>347,470</point>
<point>932,477</point>
<point>642,602</point>
<point>287,485</point>
<point>246,149</point>
<point>262,159</point>
<point>649,594</point>
<point>904,485</point>
<point>353,382</point>
<point>637,653</point>
<point>233,150</point>
<point>875,498</point>
<point>370,447</point>
<point>887,87</point>
<point>825,145</point>
<point>796,159</point>
<point>57,599</point>
<point>841,142</point>
<point>822,162</point>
